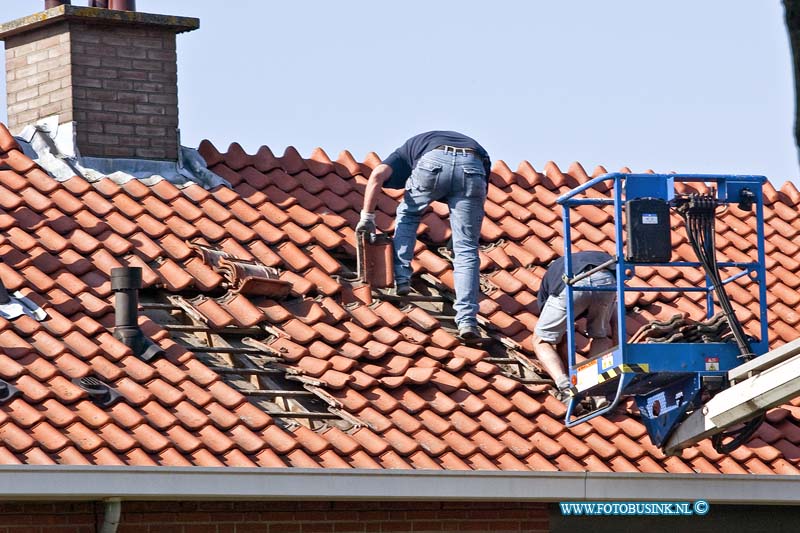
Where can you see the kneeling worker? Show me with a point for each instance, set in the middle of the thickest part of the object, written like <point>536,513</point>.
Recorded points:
<point>598,307</point>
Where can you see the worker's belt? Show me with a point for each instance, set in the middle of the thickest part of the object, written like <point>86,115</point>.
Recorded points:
<point>456,149</point>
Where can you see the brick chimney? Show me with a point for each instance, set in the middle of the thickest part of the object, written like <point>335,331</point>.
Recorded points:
<point>112,73</point>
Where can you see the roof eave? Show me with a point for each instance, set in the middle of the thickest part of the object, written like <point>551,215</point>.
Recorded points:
<point>67,482</point>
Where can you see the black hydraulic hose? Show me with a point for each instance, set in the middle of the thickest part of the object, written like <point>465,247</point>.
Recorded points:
<point>739,436</point>
<point>698,214</point>
<point>699,217</point>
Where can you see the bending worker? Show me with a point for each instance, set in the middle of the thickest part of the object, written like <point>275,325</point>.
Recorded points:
<point>445,166</point>
<point>598,307</point>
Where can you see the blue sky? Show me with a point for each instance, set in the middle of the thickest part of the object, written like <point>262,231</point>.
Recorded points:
<point>683,85</point>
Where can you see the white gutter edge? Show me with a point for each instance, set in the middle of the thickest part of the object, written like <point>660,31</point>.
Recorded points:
<point>66,482</point>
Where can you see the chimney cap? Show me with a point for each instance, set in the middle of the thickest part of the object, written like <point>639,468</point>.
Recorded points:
<point>95,15</point>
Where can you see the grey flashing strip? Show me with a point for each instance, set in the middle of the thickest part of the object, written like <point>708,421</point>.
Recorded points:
<point>61,482</point>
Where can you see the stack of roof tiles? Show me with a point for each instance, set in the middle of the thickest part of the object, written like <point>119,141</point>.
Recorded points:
<point>422,399</point>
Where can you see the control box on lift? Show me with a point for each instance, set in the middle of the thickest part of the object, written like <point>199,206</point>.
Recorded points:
<point>648,231</point>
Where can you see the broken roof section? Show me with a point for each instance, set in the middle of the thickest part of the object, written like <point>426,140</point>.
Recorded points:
<point>331,374</point>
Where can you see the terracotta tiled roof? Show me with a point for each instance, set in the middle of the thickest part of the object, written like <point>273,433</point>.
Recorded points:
<point>373,384</point>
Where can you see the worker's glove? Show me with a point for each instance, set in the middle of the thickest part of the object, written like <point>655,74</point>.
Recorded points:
<point>366,224</point>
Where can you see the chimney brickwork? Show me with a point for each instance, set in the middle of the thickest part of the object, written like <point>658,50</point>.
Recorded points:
<point>38,78</point>
<point>113,73</point>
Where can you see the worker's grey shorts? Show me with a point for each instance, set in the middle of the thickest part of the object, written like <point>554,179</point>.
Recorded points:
<point>599,306</point>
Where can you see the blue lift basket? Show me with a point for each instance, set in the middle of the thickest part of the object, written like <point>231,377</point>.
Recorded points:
<point>665,379</point>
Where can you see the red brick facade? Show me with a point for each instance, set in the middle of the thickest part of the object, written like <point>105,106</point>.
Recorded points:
<point>277,517</point>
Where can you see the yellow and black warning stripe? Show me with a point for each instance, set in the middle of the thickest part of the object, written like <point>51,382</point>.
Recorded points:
<point>632,368</point>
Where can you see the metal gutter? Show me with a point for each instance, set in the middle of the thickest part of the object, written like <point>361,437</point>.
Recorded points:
<point>67,482</point>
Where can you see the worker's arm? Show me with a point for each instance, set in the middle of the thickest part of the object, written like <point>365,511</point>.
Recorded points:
<point>379,175</point>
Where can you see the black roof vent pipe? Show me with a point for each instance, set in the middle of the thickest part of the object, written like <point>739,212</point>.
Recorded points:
<point>119,5</point>
<point>123,5</point>
<point>126,282</point>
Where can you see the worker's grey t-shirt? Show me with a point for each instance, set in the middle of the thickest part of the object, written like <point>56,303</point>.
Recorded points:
<point>404,159</point>
<point>553,281</point>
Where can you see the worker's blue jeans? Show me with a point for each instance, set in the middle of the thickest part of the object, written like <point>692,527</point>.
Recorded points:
<point>598,305</point>
<point>459,179</point>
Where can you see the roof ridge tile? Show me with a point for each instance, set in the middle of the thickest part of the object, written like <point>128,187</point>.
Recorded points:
<point>291,161</point>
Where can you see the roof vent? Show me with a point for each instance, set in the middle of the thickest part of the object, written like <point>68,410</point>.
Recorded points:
<point>119,5</point>
<point>99,392</point>
<point>126,282</point>
<point>7,391</point>
<point>123,5</point>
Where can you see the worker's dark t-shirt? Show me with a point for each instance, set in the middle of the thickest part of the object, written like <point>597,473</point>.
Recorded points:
<point>404,159</point>
<point>553,281</point>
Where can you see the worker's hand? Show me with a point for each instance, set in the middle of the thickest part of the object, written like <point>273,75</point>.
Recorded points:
<point>366,223</point>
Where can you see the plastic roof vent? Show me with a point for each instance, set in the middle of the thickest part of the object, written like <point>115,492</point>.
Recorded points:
<point>99,392</point>
<point>7,391</point>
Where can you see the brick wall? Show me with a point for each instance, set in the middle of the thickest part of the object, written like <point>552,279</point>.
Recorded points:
<point>33,517</point>
<point>125,88</point>
<point>118,83</point>
<point>278,517</point>
<point>38,77</point>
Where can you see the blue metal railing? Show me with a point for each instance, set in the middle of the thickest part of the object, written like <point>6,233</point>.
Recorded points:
<point>570,200</point>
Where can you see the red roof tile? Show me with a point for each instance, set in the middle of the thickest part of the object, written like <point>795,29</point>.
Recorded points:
<point>428,401</point>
